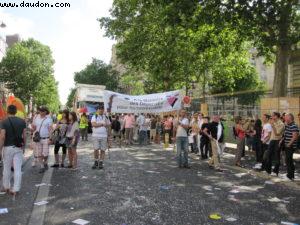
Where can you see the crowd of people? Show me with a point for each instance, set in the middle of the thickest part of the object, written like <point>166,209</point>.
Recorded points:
<point>273,137</point>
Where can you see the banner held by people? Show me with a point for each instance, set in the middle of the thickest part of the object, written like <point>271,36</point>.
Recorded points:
<point>152,103</point>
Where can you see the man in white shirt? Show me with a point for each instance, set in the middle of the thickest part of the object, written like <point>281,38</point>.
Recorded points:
<point>100,124</point>
<point>43,125</point>
<point>182,141</point>
<point>143,128</point>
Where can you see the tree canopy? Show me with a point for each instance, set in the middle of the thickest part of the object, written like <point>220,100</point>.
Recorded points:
<point>98,73</point>
<point>173,46</point>
<point>27,70</point>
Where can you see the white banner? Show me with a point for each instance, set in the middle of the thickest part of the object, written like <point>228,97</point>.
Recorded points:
<point>153,103</point>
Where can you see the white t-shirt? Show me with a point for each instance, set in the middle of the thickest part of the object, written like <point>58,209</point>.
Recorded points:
<point>43,127</point>
<point>267,128</point>
<point>220,128</point>
<point>100,132</point>
<point>141,121</point>
<point>181,132</point>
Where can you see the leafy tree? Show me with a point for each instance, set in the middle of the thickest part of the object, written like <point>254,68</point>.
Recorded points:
<point>272,25</point>
<point>47,94</point>
<point>71,98</point>
<point>98,73</point>
<point>173,45</point>
<point>24,68</point>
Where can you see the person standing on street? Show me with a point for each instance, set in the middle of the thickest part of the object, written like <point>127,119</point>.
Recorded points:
<point>240,137</point>
<point>204,140</point>
<point>214,162</point>
<point>291,135</point>
<point>182,141</point>
<point>129,123</point>
<point>265,139</point>
<point>116,129</point>
<point>153,129</point>
<point>13,139</point>
<point>257,139</point>
<point>84,124</point>
<point>142,126</point>
<point>61,128</point>
<point>195,129</point>
<point>276,136</point>
<point>73,137</point>
<point>100,125</point>
<point>42,128</point>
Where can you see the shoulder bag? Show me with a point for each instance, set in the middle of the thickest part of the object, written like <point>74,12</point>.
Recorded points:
<point>36,135</point>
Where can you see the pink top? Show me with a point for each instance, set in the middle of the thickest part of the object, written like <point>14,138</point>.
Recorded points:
<point>240,133</point>
<point>129,121</point>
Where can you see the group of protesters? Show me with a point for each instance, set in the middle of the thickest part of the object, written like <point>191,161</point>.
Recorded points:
<point>273,138</point>
<point>270,137</point>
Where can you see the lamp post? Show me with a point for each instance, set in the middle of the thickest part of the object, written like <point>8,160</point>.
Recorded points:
<point>2,25</point>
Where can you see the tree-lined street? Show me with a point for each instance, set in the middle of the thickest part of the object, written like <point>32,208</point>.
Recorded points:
<point>142,185</point>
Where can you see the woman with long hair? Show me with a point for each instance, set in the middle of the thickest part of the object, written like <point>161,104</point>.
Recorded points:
<point>73,135</point>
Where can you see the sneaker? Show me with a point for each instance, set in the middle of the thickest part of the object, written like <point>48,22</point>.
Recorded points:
<point>100,165</point>
<point>62,165</point>
<point>95,166</point>
<point>187,167</point>
<point>55,165</point>
<point>42,170</point>
<point>33,164</point>
<point>46,166</point>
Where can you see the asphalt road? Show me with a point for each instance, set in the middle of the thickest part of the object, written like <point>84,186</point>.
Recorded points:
<point>142,185</point>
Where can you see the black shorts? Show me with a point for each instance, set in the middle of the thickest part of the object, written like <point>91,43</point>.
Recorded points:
<point>57,147</point>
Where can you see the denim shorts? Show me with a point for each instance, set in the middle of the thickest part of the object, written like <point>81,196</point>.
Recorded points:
<point>100,143</point>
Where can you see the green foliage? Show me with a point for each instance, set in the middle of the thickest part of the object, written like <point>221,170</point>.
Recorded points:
<point>27,70</point>
<point>132,83</point>
<point>173,45</point>
<point>272,25</point>
<point>71,98</point>
<point>98,73</point>
<point>47,94</point>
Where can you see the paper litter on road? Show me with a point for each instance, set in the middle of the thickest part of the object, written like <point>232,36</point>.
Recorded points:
<point>3,211</point>
<point>288,223</point>
<point>234,191</point>
<point>43,184</point>
<point>269,182</point>
<point>218,189</point>
<point>207,188</point>
<point>41,203</point>
<point>215,216</point>
<point>275,199</point>
<point>164,188</point>
<point>240,175</point>
<point>231,219</point>
<point>209,193</point>
<point>232,198</point>
<point>150,171</point>
<point>84,177</point>
<point>81,222</point>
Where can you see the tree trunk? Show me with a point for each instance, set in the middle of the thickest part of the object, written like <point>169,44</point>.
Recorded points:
<point>281,71</point>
